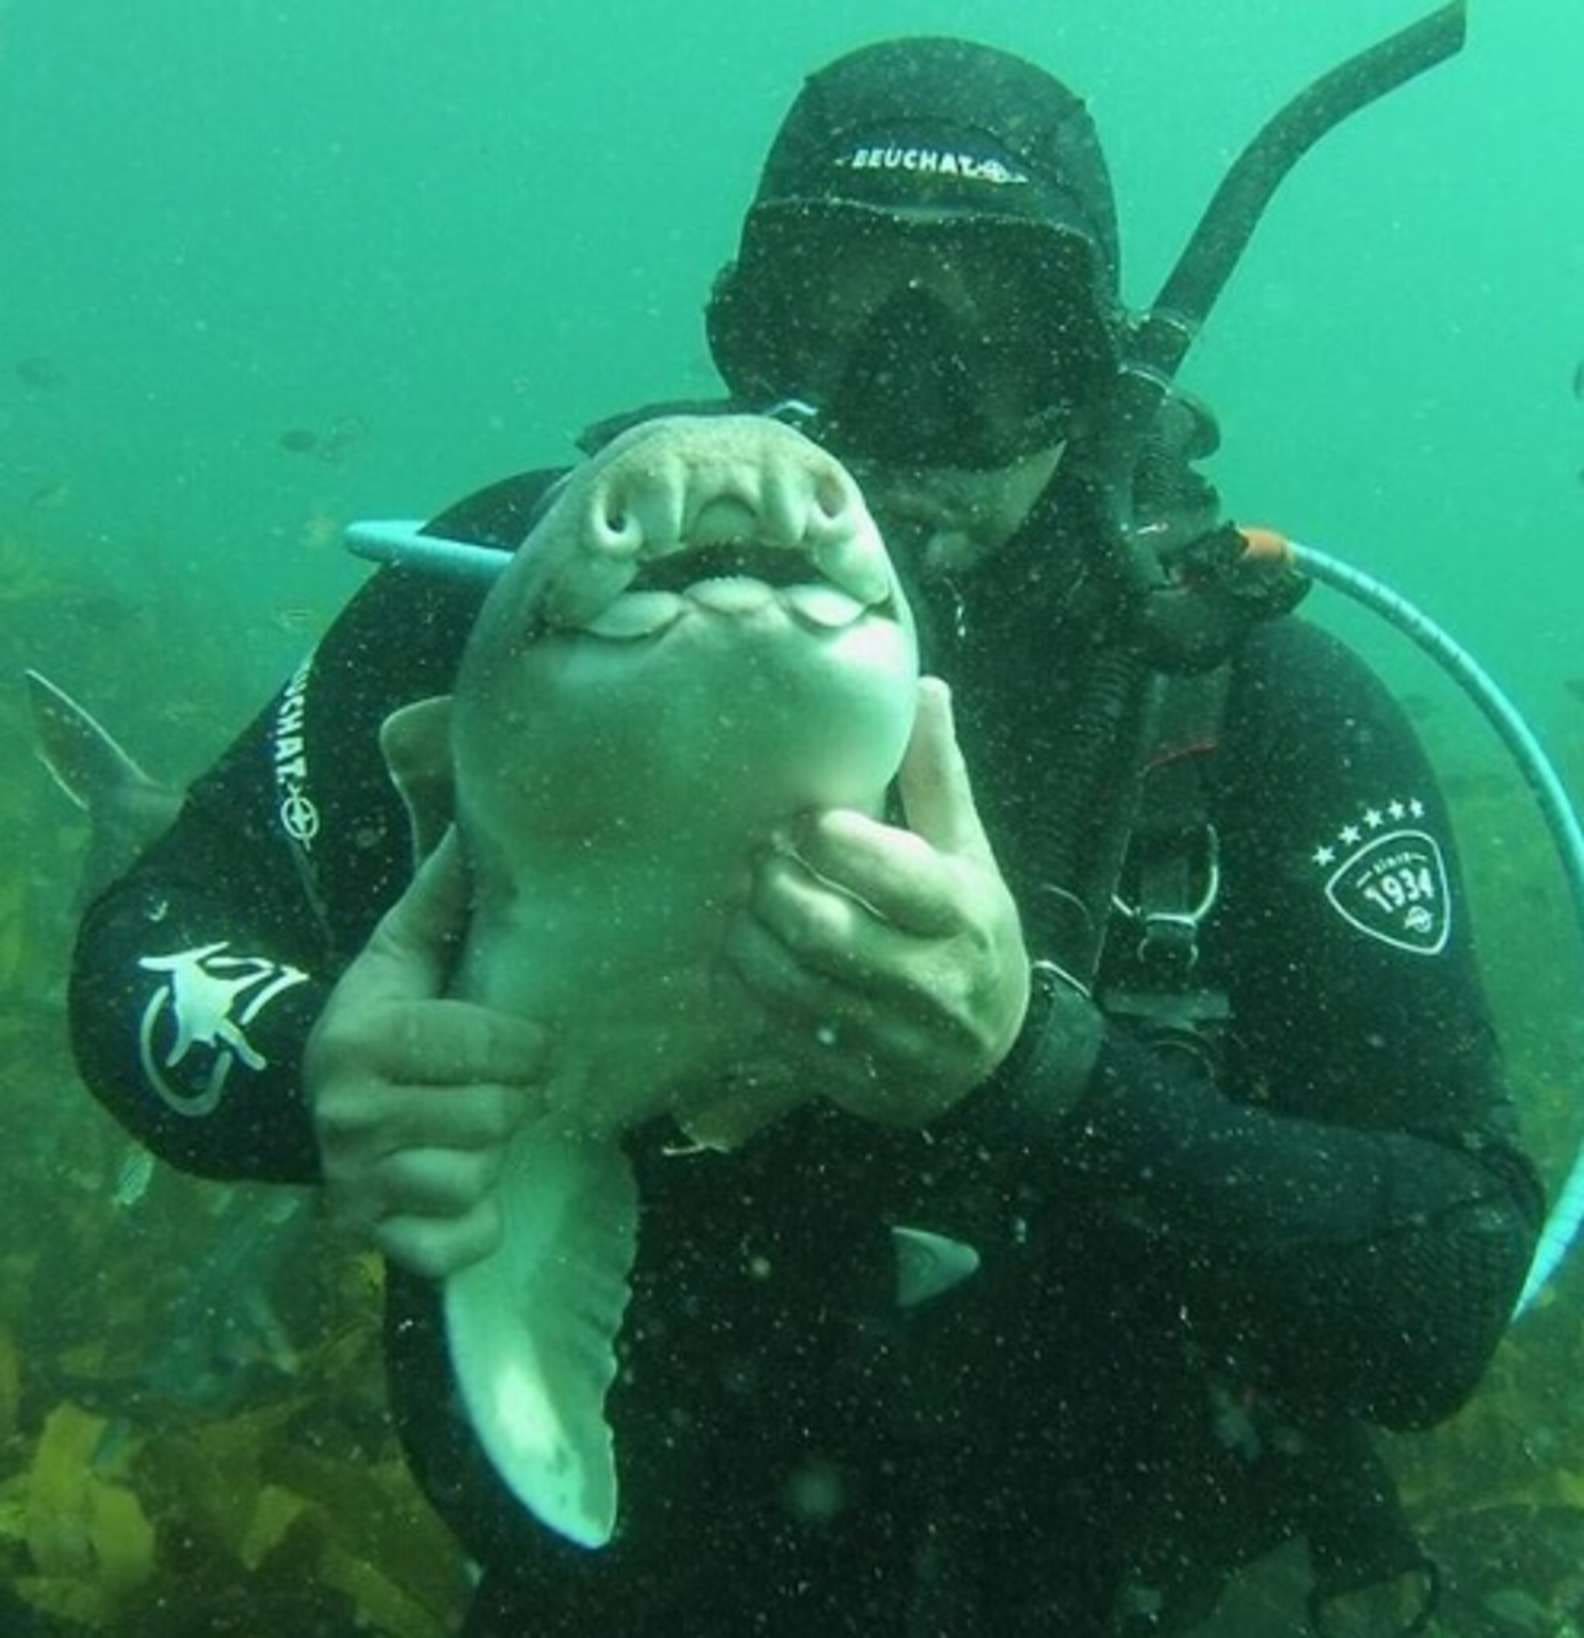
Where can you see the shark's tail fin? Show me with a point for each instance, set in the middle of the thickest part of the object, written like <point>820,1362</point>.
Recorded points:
<point>84,760</point>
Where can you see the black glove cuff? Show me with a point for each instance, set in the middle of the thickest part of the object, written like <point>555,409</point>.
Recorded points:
<point>1047,1071</point>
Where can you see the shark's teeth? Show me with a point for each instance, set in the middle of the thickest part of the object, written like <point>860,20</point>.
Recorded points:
<point>823,606</point>
<point>731,594</point>
<point>639,614</point>
<point>636,614</point>
<point>853,564</point>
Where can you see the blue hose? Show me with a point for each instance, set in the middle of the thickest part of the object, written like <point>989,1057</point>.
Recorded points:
<point>402,541</point>
<point>1562,1225</point>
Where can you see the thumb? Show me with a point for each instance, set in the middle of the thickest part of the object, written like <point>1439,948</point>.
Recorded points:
<point>409,954</point>
<point>936,795</point>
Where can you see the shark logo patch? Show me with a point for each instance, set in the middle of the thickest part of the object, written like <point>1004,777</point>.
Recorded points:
<point>194,1025</point>
<point>1387,878</point>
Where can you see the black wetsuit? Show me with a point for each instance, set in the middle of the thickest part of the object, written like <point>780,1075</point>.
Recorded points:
<point>1190,1297</point>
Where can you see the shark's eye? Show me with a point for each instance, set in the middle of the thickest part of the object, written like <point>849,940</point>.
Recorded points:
<point>775,565</point>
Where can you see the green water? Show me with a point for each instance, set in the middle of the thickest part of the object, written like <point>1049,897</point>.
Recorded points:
<point>224,221</point>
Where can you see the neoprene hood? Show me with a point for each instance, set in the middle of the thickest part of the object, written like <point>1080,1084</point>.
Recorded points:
<point>922,136</point>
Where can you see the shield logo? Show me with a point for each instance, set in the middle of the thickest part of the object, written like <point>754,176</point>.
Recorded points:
<point>1394,888</point>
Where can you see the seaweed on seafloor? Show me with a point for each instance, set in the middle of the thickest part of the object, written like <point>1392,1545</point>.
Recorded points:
<point>114,1515</point>
<point>119,1506</point>
<point>1510,1464</point>
<point>1531,953</point>
<point>25,577</point>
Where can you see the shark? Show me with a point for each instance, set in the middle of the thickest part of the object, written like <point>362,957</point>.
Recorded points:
<point>702,636</point>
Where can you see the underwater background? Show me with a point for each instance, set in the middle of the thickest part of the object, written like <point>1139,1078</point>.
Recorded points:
<point>267,266</point>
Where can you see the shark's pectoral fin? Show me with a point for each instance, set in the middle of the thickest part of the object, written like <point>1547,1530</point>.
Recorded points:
<point>532,1328</point>
<point>928,1264</point>
<point>416,744</point>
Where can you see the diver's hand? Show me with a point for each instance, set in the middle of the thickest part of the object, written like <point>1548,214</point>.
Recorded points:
<point>413,1096</point>
<point>896,955</point>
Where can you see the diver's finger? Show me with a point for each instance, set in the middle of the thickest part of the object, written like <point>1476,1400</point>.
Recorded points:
<point>831,932</point>
<point>435,1249</point>
<point>823,927</point>
<point>358,1122</point>
<point>480,1116</point>
<point>830,957</point>
<point>811,1001</point>
<point>842,1036</point>
<point>440,1183</point>
<point>416,1043</point>
<point>408,955</point>
<point>898,874</point>
<point>457,1043</point>
<point>936,794</point>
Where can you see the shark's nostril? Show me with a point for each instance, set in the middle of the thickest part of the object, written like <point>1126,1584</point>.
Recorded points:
<point>830,496</point>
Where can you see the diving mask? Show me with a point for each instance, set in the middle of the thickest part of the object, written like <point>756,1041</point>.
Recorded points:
<point>919,344</point>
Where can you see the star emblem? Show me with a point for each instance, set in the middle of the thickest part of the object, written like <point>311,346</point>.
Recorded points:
<point>1416,808</point>
<point>1349,834</point>
<point>1374,818</point>
<point>1323,856</point>
<point>1396,810</point>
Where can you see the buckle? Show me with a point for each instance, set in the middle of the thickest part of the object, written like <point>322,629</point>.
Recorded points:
<point>1170,937</point>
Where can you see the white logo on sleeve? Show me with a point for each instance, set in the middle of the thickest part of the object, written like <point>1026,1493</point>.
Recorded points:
<point>196,1020</point>
<point>1387,877</point>
<point>299,817</point>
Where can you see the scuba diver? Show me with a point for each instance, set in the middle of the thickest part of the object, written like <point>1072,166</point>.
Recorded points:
<point>1230,1137</point>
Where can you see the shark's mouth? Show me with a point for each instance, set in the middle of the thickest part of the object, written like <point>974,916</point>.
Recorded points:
<point>827,588</point>
<point>676,571</point>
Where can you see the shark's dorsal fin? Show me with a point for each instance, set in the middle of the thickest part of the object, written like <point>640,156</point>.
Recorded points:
<point>532,1327</point>
<point>416,744</point>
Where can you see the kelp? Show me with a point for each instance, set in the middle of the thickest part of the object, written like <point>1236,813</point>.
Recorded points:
<point>13,932</point>
<point>89,1542</point>
<point>1498,1491</point>
<point>298,1501</point>
<point>10,1388</point>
